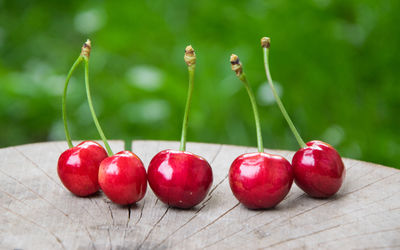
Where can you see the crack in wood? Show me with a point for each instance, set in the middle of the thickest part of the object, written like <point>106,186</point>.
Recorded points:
<point>36,224</point>
<point>300,237</point>
<point>141,212</point>
<point>105,216</point>
<point>90,237</point>
<point>287,221</point>
<point>348,169</point>
<point>37,166</point>
<point>358,234</point>
<point>109,238</point>
<point>369,184</point>
<point>238,231</point>
<point>203,205</point>
<point>38,195</point>
<point>151,230</point>
<point>217,185</point>
<point>112,220</point>
<point>87,211</point>
<point>263,225</point>
<point>366,216</point>
<point>215,156</point>
<point>97,205</point>
<point>310,209</point>
<point>356,210</point>
<point>298,197</point>
<point>86,229</point>
<point>111,214</point>
<point>264,210</point>
<point>15,198</point>
<point>224,238</point>
<point>367,173</point>
<point>209,196</point>
<point>211,223</point>
<point>126,225</point>
<point>184,224</point>
<point>187,222</point>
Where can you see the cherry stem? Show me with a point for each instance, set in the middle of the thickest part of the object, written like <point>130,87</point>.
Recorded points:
<point>190,59</point>
<point>237,67</point>
<point>278,100</point>
<point>89,98</point>
<point>64,100</point>
<point>255,111</point>
<point>187,108</point>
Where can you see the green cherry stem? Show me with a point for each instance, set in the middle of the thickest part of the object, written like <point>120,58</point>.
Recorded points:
<point>237,67</point>
<point>190,59</point>
<point>64,100</point>
<point>86,54</point>
<point>266,43</point>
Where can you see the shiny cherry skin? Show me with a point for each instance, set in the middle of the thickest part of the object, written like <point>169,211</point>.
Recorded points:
<point>123,178</point>
<point>78,167</point>
<point>260,180</point>
<point>180,179</point>
<point>318,169</point>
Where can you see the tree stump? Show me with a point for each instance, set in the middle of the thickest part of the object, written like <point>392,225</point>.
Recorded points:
<point>37,212</point>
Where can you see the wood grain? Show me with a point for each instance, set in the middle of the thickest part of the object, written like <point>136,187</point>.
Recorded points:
<point>37,212</point>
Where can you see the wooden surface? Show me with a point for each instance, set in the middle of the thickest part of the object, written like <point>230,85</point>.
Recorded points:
<point>37,212</point>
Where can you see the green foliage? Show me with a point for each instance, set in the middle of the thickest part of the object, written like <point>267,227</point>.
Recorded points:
<point>336,63</point>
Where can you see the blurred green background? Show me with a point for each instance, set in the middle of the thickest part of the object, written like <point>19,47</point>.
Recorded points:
<point>336,64</point>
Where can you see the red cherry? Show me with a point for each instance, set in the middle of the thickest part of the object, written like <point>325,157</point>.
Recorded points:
<point>122,177</point>
<point>260,180</point>
<point>78,167</point>
<point>179,179</point>
<point>318,169</point>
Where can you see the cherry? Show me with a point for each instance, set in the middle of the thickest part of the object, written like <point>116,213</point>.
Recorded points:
<point>122,178</point>
<point>179,178</point>
<point>78,166</point>
<point>318,168</point>
<point>258,180</point>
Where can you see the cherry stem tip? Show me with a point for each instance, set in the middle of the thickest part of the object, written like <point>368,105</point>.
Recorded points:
<point>86,48</point>
<point>266,42</point>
